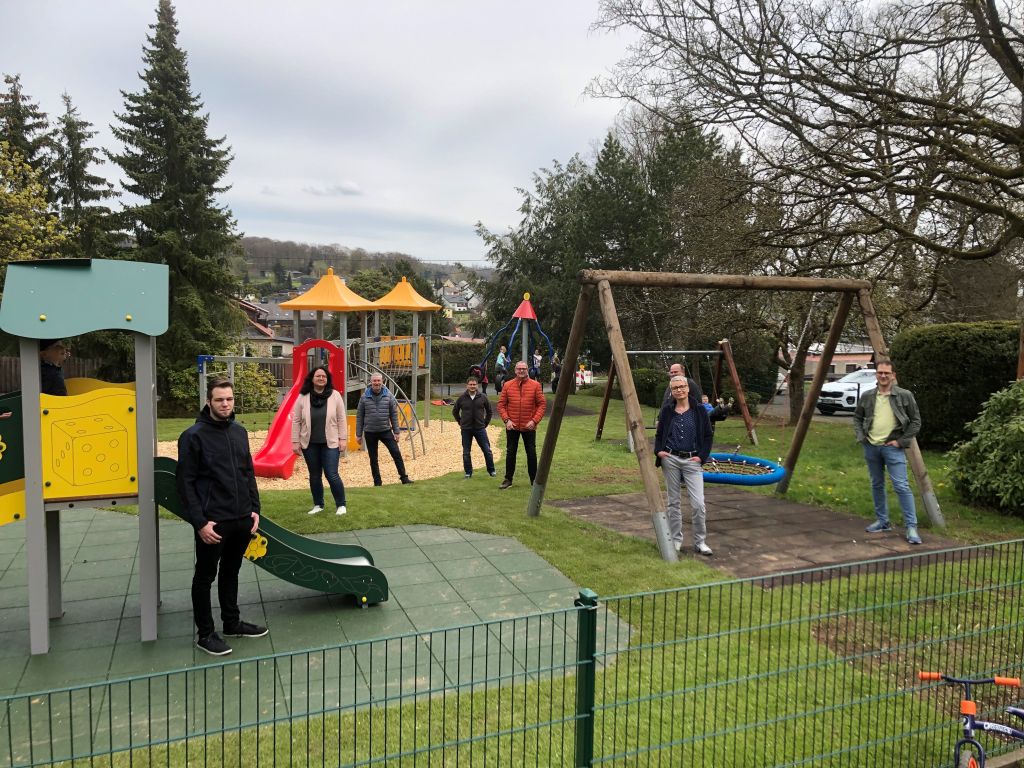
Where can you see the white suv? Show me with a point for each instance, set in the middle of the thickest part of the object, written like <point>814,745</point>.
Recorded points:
<point>842,395</point>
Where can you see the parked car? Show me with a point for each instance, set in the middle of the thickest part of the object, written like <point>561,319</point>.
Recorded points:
<point>843,394</point>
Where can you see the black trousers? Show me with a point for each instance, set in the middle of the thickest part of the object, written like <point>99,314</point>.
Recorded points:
<point>512,448</point>
<point>227,554</point>
<point>388,438</point>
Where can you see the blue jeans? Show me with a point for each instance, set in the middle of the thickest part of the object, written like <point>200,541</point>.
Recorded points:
<point>321,461</point>
<point>480,435</point>
<point>893,458</point>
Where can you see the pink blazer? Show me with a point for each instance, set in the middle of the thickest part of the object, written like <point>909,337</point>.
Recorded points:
<point>337,424</point>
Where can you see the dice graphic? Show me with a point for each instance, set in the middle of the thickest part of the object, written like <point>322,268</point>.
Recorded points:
<point>90,449</point>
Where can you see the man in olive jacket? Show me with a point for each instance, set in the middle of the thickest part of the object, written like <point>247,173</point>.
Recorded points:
<point>885,421</point>
<point>217,487</point>
<point>521,406</point>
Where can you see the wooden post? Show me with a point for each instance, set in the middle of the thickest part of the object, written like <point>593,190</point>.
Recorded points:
<point>804,422</point>
<point>572,353</point>
<point>635,424</point>
<point>924,482</point>
<point>726,348</point>
<point>604,402</point>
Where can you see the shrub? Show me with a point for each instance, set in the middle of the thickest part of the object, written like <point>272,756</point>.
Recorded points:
<point>989,468</point>
<point>255,389</point>
<point>456,357</point>
<point>952,369</point>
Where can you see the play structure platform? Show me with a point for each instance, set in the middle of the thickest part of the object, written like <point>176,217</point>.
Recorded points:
<point>340,569</point>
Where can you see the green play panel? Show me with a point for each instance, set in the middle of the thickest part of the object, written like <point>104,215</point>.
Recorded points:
<point>438,578</point>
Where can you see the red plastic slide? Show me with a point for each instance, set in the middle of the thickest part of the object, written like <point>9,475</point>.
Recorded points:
<point>276,458</point>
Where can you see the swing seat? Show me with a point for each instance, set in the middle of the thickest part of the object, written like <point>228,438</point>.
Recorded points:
<point>737,469</point>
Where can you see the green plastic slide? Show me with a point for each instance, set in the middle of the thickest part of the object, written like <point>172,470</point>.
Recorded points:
<point>340,569</point>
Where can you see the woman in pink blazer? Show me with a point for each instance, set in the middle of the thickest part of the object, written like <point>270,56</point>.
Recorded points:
<point>320,435</point>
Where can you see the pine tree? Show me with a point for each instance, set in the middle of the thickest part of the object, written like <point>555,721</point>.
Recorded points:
<point>78,191</point>
<point>177,170</point>
<point>26,129</point>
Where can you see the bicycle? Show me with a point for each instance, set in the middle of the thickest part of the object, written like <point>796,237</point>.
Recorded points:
<point>968,751</point>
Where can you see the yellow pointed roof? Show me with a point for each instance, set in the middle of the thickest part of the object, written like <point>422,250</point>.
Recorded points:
<point>404,297</point>
<point>330,294</point>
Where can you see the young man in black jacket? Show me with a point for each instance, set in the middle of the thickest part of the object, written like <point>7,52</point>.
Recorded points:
<point>473,412</point>
<point>217,487</point>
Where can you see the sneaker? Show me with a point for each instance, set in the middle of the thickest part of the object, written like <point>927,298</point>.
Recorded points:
<point>315,510</point>
<point>678,545</point>
<point>505,485</point>
<point>341,510</point>
<point>406,481</point>
<point>245,629</point>
<point>213,644</point>
<point>703,549</point>
<point>467,477</point>
<point>493,474</point>
<point>878,527</point>
<point>912,536</point>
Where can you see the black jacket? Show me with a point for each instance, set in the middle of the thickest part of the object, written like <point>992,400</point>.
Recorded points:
<point>51,379</point>
<point>700,421</point>
<point>215,476</point>
<point>472,413</point>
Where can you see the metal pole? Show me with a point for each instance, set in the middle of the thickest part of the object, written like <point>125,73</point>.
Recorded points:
<point>586,676</point>
<point>36,528</point>
<point>149,551</point>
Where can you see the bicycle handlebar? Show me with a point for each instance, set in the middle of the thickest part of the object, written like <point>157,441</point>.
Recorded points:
<point>1012,682</point>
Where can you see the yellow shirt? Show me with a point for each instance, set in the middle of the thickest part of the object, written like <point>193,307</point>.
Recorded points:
<point>884,422</point>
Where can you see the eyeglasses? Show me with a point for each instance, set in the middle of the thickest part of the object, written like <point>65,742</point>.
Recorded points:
<point>883,373</point>
<point>679,388</point>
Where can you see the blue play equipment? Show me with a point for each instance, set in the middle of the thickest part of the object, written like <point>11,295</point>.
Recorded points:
<point>737,469</point>
<point>524,313</point>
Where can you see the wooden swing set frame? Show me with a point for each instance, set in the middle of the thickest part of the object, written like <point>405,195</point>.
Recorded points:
<point>601,282</point>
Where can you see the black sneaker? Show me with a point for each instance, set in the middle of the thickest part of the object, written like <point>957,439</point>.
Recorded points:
<point>245,629</point>
<point>213,645</point>
<point>406,481</point>
<point>505,485</point>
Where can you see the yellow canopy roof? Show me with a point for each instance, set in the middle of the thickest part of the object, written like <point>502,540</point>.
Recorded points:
<point>330,294</point>
<point>404,297</point>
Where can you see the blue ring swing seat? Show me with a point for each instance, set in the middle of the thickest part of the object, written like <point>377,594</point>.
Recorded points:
<point>753,470</point>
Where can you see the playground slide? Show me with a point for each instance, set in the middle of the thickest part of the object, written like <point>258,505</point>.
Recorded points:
<point>340,569</point>
<point>276,458</point>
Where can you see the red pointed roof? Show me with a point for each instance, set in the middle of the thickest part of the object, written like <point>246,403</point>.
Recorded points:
<point>525,309</point>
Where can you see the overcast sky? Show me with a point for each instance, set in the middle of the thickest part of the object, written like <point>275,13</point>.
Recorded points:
<point>391,126</point>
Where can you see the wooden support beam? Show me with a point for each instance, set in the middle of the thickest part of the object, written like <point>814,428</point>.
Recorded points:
<point>914,457</point>
<point>635,424</point>
<point>741,282</point>
<point>804,422</point>
<point>565,383</point>
<point>604,402</point>
<point>741,398</point>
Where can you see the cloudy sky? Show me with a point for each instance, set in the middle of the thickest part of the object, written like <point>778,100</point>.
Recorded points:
<point>384,125</point>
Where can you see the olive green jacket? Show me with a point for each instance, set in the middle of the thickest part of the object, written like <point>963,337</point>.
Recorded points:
<point>904,408</point>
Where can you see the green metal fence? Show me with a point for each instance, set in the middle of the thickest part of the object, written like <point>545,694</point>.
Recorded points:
<point>816,667</point>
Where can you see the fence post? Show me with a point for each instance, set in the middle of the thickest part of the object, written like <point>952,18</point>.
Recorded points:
<point>586,671</point>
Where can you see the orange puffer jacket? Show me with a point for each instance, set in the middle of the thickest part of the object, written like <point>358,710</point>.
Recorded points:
<point>522,401</point>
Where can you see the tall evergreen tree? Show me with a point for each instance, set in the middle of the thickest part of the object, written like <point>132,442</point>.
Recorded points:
<point>26,128</point>
<point>78,191</point>
<point>177,170</point>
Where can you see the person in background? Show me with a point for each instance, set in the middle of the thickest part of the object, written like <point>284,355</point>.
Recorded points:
<point>217,487</point>
<point>52,354</point>
<point>521,407</point>
<point>320,436</point>
<point>885,421</point>
<point>377,422</point>
<point>556,371</point>
<point>534,369</point>
<point>682,444</point>
<point>473,412</point>
<point>716,413</point>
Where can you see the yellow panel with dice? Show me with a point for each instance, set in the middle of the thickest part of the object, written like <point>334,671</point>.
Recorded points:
<point>89,444</point>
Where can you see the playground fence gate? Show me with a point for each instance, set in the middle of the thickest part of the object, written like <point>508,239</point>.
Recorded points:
<point>810,668</point>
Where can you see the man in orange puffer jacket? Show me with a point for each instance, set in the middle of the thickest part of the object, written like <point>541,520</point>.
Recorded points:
<point>521,406</point>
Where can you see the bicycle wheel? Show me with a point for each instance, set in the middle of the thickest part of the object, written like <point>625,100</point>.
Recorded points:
<point>967,760</point>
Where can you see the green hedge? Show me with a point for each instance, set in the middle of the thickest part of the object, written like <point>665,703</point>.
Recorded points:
<point>952,369</point>
<point>989,468</point>
<point>457,357</point>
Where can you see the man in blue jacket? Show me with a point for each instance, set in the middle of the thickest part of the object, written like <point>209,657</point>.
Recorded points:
<point>217,487</point>
<point>377,422</point>
<point>682,444</point>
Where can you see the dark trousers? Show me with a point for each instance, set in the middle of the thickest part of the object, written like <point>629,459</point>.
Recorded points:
<point>512,448</point>
<point>480,435</point>
<point>372,438</point>
<point>227,554</point>
<point>321,460</point>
